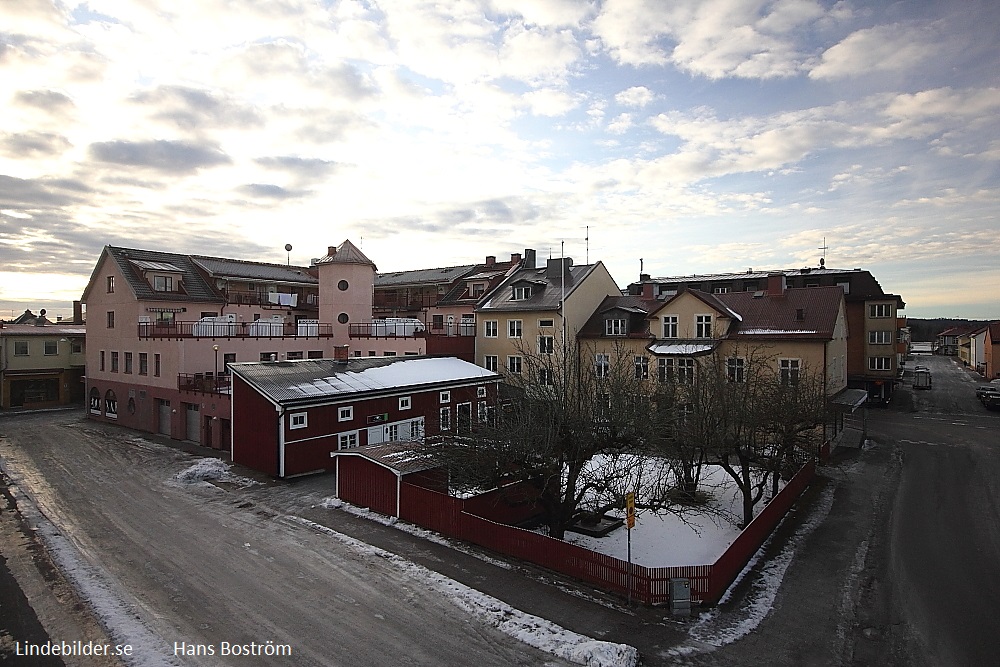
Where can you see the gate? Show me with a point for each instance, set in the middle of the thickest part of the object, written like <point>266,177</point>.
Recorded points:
<point>164,419</point>
<point>193,423</point>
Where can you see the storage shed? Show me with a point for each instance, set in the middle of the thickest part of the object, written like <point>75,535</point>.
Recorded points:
<point>289,416</point>
<point>371,476</point>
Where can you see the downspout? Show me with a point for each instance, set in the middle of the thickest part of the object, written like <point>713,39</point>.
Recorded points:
<point>399,479</point>
<point>281,441</point>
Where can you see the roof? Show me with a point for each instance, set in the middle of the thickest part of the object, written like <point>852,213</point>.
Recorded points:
<point>46,330</point>
<point>440,276</point>
<point>345,253</point>
<point>777,316</point>
<point>219,267</point>
<point>324,380</point>
<point>400,457</point>
<point>684,348</point>
<point>711,300</point>
<point>130,261</point>
<point>635,305</point>
<point>753,275</point>
<point>549,298</point>
<point>493,273</point>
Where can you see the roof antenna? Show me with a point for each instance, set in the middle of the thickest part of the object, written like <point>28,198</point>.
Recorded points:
<point>824,248</point>
<point>288,249</point>
<point>587,239</point>
<point>640,268</point>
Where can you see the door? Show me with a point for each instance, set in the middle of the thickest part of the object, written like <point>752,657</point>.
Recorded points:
<point>464,417</point>
<point>193,423</point>
<point>376,435</point>
<point>208,431</point>
<point>164,420</point>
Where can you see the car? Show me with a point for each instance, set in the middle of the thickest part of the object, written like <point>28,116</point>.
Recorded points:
<point>991,387</point>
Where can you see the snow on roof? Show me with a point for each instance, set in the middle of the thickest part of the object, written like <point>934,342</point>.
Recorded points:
<point>327,378</point>
<point>776,332</point>
<point>681,348</point>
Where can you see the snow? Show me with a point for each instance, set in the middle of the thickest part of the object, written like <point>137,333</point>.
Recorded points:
<point>531,630</point>
<point>680,348</point>
<point>783,332</point>
<point>206,470</point>
<point>403,373</point>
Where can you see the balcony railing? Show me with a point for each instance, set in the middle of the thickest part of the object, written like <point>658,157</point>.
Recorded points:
<point>308,301</point>
<point>204,383</point>
<point>410,328</point>
<point>256,329</point>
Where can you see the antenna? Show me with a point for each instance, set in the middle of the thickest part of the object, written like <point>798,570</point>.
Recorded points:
<point>640,268</point>
<point>824,248</point>
<point>288,249</point>
<point>587,239</point>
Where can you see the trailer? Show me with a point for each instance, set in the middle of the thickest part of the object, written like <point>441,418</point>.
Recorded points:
<point>921,377</point>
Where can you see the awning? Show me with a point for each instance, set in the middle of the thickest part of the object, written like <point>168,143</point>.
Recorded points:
<point>849,400</point>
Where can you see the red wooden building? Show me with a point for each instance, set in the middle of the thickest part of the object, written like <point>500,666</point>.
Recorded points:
<point>289,416</point>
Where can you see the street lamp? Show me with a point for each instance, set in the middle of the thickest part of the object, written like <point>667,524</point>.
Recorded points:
<point>216,348</point>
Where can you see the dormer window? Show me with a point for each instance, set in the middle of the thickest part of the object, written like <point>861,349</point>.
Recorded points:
<point>163,283</point>
<point>522,292</point>
<point>478,289</point>
<point>615,327</point>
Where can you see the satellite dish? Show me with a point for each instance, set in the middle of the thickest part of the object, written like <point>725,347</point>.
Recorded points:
<point>288,247</point>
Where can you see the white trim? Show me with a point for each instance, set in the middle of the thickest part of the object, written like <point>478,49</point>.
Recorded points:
<point>340,417</point>
<point>293,416</point>
<point>281,442</point>
<point>409,402</point>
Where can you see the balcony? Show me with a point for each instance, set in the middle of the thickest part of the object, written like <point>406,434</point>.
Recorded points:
<point>204,383</point>
<point>256,329</point>
<point>391,327</point>
<point>300,301</point>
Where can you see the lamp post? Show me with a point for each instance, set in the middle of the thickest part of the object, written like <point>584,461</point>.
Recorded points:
<point>216,376</point>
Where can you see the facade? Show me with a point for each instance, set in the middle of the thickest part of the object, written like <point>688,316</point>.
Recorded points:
<point>537,310</point>
<point>41,365</point>
<point>876,341</point>
<point>977,341</point>
<point>164,328</point>
<point>293,417</point>
<point>991,351</point>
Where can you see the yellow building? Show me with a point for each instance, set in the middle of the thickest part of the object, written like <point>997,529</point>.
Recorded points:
<point>41,365</point>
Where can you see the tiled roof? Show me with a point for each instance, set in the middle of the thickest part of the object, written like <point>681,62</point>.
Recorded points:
<point>195,287</point>
<point>777,316</point>
<point>630,304</point>
<point>400,457</point>
<point>346,253</point>
<point>219,267</point>
<point>306,381</point>
<point>493,273</point>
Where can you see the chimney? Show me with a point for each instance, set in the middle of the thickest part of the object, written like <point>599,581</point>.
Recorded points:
<point>340,353</point>
<point>776,284</point>
<point>800,314</point>
<point>491,260</point>
<point>331,250</point>
<point>554,268</point>
<point>647,290</point>
<point>529,258</point>
<point>515,258</point>
<point>77,312</point>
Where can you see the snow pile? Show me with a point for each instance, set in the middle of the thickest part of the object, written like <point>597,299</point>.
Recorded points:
<point>208,470</point>
<point>531,630</point>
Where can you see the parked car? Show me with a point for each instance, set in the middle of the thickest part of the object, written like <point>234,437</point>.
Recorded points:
<point>989,394</point>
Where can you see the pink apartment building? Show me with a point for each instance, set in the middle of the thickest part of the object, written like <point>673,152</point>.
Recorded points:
<point>163,327</point>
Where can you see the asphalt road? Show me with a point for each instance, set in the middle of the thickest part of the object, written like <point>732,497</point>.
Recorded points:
<point>201,566</point>
<point>939,575</point>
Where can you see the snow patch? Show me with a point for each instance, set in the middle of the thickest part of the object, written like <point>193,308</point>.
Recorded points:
<point>207,470</point>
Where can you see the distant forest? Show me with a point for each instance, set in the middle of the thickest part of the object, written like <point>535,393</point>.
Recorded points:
<point>927,330</point>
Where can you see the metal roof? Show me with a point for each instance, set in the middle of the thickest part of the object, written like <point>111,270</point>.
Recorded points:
<point>440,276</point>
<point>502,299</point>
<point>323,380</point>
<point>155,266</point>
<point>400,457</point>
<point>195,287</point>
<point>44,330</point>
<point>219,267</point>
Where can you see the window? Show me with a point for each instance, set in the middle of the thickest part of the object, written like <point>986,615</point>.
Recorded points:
<point>880,363</point>
<point>721,290</point>
<point>156,364</point>
<point>371,353</point>
<point>343,285</point>
<point>478,289</point>
<point>491,362</point>
<point>343,318</point>
<point>670,326</point>
<point>444,397</point>
<point>268,356</point>
<point>736,369</point>
<point>228,358</point>
<point>111,319</point>
<point>481,411</point>
<point>20,348</point>
<point>665,370</point>
<point>880,310</point>
<point>345,413</point>
<point>602,364</point>
<point>317,354</point>
<point>76,346</point>
<point>880,337</point>
<point>702,326</point>
<point>679,370</point>
<point>615,327</point>
<point>388,353</point>
<point>480,392</point>
<point>163,283</point>
<point>437,322</point>
<point>789,371</point>
<point>95,401</point>
<point>545,344</point>
<point>522,292</point>
<point>685,370</point>
<point>294,355</point>
<point>128,362</point>
<point>490,328</point>
<point>404,402</point>
<point>114,362</point>
<point>110,405</point>
<point>642,368</point>
<point>143,363</point>
<point>51,347</point>
<point>102,362</point>
<point>209,313</point>
<point>545,377</point>
<point>111,284</point>
<point>298,420</point>
<point>445,419</point>
<point>514,364</point>
<point>513,328</point>
<point>164,319</point>
<point>546,323</point>
<point>347,440</point>
<point>416,429</point>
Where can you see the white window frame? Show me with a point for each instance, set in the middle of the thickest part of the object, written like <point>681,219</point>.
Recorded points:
<point>515,328</point>
<point>514,360</point>
<point>602,364</point>
<point>22,345</point>
<point>880,363</point>
<point>546,323</point>
<point>345,439</point>
<point>685,370</point>
<point>881,337</point>
<point>879,310</point>
<point>491,329</point>
<point>521,293</point>
<point>545,377</point>
<point>480,392</point>
<point>55,348</point>
<point>670,326</point>
<point>703,326</point>
<point>444,397</point>
<point>298,420</point>
<point>641,363</point>
<point>491,362</point>
<point>444,418</point>
<point>616,327</point>
<point>790,371</point>
<point>405,403</point>
<point>549,346</point>
<point>736,369</point>
<point>345,413</point>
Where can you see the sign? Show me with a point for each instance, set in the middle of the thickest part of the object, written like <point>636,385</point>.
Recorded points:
<point>630,510</point>
<point>378,419</point>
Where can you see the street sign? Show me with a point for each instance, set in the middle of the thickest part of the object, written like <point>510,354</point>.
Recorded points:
<point>630,510</point>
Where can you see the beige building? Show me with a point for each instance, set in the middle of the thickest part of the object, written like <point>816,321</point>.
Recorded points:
<point>41,365</point>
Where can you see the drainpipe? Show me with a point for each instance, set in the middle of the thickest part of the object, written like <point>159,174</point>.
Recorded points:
<point>281,441</point>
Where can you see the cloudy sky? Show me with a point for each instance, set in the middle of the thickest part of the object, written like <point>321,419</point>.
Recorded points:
<point>698,136</point>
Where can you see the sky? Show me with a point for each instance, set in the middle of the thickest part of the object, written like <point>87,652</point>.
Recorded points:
<point>682,137</point>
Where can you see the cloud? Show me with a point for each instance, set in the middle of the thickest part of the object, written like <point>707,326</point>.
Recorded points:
<point>46,100</point>
<point>176,157</point>
<point>194,109</point>
<point>33,144</point>
<point>636,96</point>
<point>884,48</point>
<point>270,191</point>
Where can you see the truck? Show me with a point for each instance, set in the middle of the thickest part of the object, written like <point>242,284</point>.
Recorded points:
<point>921,377</point>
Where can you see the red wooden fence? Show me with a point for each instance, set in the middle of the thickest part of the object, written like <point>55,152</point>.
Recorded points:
<point>450,516</point>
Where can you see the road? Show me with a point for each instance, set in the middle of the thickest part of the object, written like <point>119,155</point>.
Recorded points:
<point>198,565</point>
<point>939,573</point>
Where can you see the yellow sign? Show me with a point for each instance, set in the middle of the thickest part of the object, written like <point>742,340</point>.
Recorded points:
<point>630,510</point>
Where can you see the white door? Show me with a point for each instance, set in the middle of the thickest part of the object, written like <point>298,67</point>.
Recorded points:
<point>376,435</point>
<point>193,423</point>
